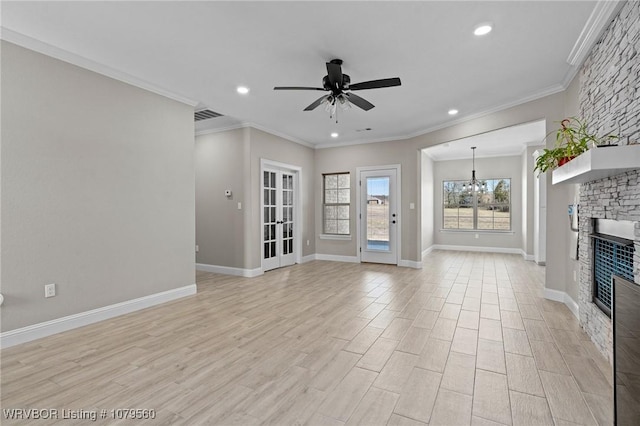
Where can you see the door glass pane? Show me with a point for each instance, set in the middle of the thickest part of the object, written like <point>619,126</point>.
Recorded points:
<point>378,213</point>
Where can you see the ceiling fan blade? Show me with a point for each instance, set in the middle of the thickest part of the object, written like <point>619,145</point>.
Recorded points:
<point>359,102</point>
<point>316,103</point>
<point>376,84</point>
<point>334,71</point>
<point>297,88</point>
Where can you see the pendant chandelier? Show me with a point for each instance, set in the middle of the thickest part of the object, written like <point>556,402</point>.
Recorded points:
<point>474,185</point>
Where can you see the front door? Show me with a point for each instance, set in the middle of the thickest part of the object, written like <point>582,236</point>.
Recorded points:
<point>278,218</point>
<point>379,218</point>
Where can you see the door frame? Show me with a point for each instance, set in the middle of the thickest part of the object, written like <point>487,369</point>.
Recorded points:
<point>297,205</point>
<point>398,192</point>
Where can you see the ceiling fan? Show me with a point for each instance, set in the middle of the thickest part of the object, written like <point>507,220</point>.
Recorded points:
<point>337,83</point>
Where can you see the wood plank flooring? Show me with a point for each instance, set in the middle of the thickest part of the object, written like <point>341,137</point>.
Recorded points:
<point>467,340</point>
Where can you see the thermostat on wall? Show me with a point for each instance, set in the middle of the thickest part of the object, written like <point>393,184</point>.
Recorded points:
<point>227,193</point>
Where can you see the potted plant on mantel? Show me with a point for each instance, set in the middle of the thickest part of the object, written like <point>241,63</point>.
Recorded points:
<point>572,139</point>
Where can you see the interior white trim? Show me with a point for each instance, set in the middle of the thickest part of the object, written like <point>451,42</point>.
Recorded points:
<point>298,214</point>
<point>410,264</point>
<point>427,251</point>
<point>561,296</point>
<point>526,256</point>
<point>534,96</point>
<point>398,190</point>
<point>506,250</point>
<point>335,237</point>
<point>202,132</point>
<point>80,61</point>
<point>228,270</point>
<point>599,19</point>
<point>48,328</point>
<point>337,258</point>
<point>308,258</point>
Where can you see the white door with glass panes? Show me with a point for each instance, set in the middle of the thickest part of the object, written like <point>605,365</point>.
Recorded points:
<point>379,218</point>
<point>278,218</point>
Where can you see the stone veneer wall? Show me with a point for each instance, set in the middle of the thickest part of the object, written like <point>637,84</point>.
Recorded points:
<point>616,198</point>
<point>609,100</point>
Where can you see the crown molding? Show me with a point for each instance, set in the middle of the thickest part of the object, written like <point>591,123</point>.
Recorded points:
<point>246,125</point>
<point>220,129</point>
<point>532,97</point>
<point>601,16</point>
<point>280,134</point>
<point>82,62</point>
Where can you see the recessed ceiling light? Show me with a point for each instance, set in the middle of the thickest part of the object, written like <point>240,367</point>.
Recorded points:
<point>334,135</point>
<point>242,90</point>
<point>482,29</point>
<point>453,111</point>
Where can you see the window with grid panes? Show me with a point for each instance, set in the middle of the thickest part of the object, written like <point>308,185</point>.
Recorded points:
<point>336,203</point>
<point>491,211</point>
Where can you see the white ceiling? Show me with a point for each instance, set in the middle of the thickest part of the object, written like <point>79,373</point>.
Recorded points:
<point>201,51</point>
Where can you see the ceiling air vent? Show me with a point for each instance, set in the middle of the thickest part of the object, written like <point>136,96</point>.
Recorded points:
<point>206,114</point>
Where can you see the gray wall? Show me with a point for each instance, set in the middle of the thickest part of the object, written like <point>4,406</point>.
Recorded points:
<point>486,168</point>
<point>528,182</point>
<point>97,190</point>
<point>347,159</point>
<point>220,226</point>
<point>427,201</point>
<point>231,160</point>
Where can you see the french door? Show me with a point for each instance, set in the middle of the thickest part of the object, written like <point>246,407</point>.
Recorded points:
<point>379,218</point>
<point>278,218</point>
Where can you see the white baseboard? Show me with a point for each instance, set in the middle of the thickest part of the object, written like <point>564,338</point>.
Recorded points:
<point>561,296</point>
<point>475,248</point>
<point>308,258</point>
<point>427,251</point>
<point>410,264</point>
<point>528,257</point>
<point>227,270</point>
<point>48,328</point>
<point>336,258</point>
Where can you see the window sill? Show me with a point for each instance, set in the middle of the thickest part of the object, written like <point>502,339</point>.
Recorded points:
<point>335,237</point>
<point>477,231</point>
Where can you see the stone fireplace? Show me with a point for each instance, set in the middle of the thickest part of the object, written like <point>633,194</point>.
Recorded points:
<point>616,198</point>
<point>609,100</point>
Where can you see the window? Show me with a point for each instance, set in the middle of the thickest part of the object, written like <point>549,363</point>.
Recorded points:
<point>336,203</point>
<point>487,207</point>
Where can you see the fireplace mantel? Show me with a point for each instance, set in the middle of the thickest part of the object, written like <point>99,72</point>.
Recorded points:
<point>598,163</point>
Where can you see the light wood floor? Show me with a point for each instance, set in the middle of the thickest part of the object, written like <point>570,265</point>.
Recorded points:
<point>466,340</point>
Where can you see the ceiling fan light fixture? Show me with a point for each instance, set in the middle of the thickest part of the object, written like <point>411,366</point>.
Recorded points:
<point>329,103</point>
<point>344,101</point>
<point>483,29</point>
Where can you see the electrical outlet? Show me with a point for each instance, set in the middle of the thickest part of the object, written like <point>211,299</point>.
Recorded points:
<point>49,290</point>
<point>307,242</point>
<point>575,275</point>
<point>197,248</point>
<point>477,236</point>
